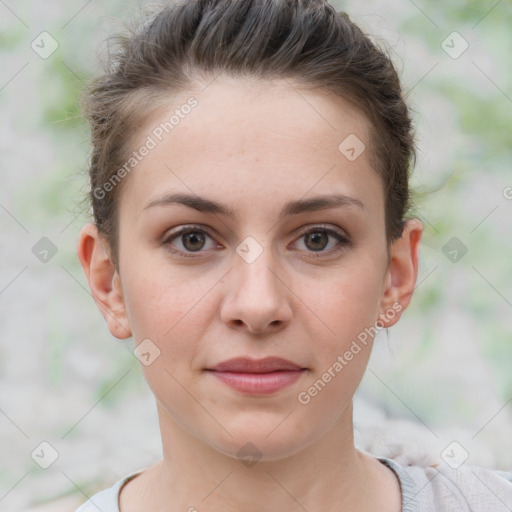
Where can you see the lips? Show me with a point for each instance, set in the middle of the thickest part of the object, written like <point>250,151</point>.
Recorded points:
<point>257,376</point>
<point>265,365</point>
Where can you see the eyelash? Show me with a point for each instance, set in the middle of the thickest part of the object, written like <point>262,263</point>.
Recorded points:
<point>343,242</point>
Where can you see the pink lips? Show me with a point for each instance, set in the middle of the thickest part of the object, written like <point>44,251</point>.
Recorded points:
<point>257,376</point>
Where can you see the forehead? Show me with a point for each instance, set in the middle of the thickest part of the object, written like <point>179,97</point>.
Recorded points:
<point>258,109</point>
<point>251,140</point>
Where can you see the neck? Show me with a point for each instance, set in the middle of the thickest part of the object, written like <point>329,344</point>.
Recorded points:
<point>329,474</point>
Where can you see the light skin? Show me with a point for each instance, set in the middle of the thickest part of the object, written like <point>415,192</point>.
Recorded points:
<point>254,148</point>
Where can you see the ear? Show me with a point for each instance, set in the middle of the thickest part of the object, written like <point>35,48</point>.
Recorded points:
<point>104,280</point>
<point>401,274</point>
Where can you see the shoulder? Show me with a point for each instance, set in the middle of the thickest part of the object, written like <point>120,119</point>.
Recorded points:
<point>108,499</point>
<point>441,488</point>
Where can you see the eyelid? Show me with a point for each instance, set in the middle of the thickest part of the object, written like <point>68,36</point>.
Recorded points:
<point>173,234</point>
<point>322,227</point>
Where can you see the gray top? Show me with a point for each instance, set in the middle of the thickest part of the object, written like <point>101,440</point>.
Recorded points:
<point>424,489</point>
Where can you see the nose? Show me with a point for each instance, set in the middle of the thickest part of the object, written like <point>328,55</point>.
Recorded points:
<point>257,299</point>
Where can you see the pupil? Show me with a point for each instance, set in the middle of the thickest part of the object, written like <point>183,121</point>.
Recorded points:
<point>317,239</point>
<point>193,241</point>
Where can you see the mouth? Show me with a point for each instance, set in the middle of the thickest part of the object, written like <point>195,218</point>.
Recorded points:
<point>257,376</point>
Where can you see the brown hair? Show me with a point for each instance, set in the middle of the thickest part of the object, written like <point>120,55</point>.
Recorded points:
<point>306,41</point>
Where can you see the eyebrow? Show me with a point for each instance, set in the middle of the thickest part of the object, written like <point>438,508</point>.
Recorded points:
<point>205,205</point>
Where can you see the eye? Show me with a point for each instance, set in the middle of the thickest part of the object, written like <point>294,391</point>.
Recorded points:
<point>318,240</point>
<point>189,239</point>
<point>321,239</point>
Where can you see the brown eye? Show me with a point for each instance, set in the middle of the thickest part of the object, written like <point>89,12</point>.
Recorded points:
<point>193,241</point>
<point>189,240</point>
<point>322,240</point>
<point>316,240</point>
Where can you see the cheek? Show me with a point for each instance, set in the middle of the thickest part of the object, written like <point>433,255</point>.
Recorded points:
<point>349,302</point>
<point>348,310</point>
<point>170,309</point>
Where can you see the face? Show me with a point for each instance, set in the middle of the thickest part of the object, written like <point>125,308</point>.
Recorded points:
<point>246,232</point>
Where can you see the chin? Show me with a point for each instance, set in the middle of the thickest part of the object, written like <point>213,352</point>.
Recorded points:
<point>258,440</point>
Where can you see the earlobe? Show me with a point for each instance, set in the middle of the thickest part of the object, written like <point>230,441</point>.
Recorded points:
<point>401,273</point>
<point>104,281</point>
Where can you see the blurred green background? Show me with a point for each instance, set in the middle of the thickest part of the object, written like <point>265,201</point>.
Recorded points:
<point>442,374</point>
